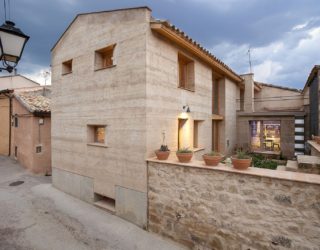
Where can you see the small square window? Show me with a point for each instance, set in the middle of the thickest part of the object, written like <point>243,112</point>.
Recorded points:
<point>67,67</point>
<point>38,149</point>
<point>104,57</point>
<point>96,134</point>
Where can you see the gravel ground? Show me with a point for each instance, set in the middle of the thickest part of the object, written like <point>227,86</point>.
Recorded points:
<point>34,215</point>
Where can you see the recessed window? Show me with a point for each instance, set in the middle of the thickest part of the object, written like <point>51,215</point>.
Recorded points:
<point>97,134</point>
<point>38,149</point>
<point>186,72</point>
<point>216,97</point>
<point>15,121</point>
<point>67,67</point>
<point>104,57</point>
<point>196,134</point>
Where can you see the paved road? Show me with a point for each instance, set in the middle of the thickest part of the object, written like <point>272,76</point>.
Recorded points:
<point>34,215</point>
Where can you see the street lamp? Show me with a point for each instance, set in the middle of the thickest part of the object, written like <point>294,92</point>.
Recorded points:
<point>12,42</point>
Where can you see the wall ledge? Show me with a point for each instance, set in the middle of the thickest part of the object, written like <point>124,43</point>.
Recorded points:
<point>315,145</point>
<point>275,174</point>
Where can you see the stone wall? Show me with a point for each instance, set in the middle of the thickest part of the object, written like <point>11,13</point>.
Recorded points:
<point>221,208</point>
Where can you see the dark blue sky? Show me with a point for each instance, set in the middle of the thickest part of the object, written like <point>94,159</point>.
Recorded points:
<point>284,35</point>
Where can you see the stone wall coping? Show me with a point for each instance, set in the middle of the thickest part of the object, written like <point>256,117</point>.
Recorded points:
<point>275,174</point>
<point>315,145</point>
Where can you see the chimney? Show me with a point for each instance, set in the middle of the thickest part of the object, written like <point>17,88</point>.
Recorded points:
<point>248,92</point>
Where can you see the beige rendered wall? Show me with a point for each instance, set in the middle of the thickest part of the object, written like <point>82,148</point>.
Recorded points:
<point>269,99</point>
<point>17,81</point>
<point>165,100</point>
<point>220,208</point>
<point>4,124</point>
<point>115,97</point>
<point>22,136</point>
<point>41,137</point>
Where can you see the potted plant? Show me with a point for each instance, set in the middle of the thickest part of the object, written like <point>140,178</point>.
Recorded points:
<point>241,160</point>
<point>163,153</point>
<point>184,155</point>
<point>212,159</point>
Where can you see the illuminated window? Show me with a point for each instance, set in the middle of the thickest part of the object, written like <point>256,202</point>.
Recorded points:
<point>67,67</point>
<point>186,72</point>
<point>265,135</point>
<point>97,134</point>
<point>104,57</point>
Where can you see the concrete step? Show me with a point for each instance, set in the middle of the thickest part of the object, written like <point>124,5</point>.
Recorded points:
<point>309,164</point>
<point>292,166</point>
<point>106,204</point>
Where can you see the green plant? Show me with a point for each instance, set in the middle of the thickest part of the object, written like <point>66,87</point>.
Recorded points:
<point>242,155</point>
<point>259,161</point>
<point>213,153</point>
<point>184,151</point>
<point>164,148</point>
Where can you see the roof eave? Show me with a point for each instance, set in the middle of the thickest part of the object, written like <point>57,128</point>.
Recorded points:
<point>191,47</point>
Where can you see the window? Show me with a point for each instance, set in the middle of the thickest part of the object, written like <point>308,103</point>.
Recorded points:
<point>15,151</point>
<point>67,67</point>
<point>38,149</point>
<point>265,135</point>
<point>186,72</point>
<point>16,121</point>
<point>215,96</point>
<point>104,57</point>
<point>182,131</point>
<point>96,134</point>
<point>196,128</point>
<point>215,136</point>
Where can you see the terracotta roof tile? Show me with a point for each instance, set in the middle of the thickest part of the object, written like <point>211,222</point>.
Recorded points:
<point>34,100</point>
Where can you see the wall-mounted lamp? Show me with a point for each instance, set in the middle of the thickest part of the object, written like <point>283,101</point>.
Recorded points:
<point>186,108</point>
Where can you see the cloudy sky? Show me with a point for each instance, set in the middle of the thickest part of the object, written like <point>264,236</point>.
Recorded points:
<point>284,35</point>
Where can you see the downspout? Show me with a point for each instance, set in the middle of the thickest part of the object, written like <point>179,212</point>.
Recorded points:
<point>10,127</point>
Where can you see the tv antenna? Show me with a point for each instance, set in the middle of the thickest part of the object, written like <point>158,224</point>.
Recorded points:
<point>249,55</point>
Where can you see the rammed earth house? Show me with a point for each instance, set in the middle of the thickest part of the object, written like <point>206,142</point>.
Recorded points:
<point>120,78</point>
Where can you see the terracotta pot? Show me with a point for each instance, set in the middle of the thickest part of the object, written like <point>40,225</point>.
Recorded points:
<point>317,139</point>
<point>162,155</point>
<point>212,160</point>
<point>184,157</point>
<point>241,164</point>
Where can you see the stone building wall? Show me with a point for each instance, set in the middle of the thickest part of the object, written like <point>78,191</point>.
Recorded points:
<point>221,208</point>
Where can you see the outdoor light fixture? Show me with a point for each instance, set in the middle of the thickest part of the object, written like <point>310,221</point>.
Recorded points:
<point>186,108</point>
<point>12,42</point>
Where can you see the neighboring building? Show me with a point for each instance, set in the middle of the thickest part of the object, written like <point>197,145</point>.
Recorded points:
<point>31,133</point>
<point>16,82</point>
<point>116,89</point>
<point>29,129</point>
<point>271,119</point>
<point>311,92</point>
<point>9,83</point>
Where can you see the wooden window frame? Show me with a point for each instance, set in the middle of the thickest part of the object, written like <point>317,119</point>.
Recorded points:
<point>104,58</point>
<point>188,82</point>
